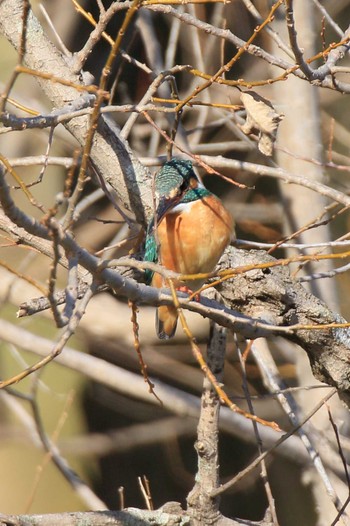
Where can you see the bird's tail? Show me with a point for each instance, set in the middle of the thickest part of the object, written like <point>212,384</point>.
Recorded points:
<point>166,321</point>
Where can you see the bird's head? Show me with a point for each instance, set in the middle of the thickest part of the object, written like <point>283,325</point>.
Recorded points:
<point>172,182</point>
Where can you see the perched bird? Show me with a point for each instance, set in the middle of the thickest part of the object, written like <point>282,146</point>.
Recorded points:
<point>188,235</point>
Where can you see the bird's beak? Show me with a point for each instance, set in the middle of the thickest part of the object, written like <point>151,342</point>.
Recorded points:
<point>166,204</point>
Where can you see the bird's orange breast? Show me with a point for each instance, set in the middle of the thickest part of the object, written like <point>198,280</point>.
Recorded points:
<point>192,241</point>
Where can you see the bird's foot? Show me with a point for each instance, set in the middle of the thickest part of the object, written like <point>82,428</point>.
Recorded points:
<point>187,290</point>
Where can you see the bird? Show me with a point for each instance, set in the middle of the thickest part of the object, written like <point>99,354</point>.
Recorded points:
<point>187,234</point>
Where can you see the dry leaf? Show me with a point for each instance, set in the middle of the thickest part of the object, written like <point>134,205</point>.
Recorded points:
<point>261,117</point>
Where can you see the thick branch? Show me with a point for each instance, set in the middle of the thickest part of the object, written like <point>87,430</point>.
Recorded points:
<point>170,514</point>
<point>131,517</point>
<point>203,508</point>
<point>274,296</point>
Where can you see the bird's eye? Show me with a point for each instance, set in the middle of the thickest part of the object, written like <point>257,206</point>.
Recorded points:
<point>183,187</point>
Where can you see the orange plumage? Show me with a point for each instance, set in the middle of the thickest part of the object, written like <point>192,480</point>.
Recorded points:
<point>191,241</point>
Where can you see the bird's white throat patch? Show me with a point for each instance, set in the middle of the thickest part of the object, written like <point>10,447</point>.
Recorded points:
<point>181,207</point>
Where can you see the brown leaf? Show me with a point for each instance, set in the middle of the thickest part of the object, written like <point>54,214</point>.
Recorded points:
<point>262,118</point>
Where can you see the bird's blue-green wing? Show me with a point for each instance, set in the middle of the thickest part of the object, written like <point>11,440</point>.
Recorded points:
<point>151,252</point>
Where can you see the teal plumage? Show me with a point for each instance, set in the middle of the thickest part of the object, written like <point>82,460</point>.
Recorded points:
<point>151,253</point>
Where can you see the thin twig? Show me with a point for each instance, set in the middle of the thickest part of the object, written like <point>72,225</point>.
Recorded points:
<point>271,375</point>
<point>256,462</point>
<point>299,57</point>
<point>137,346</point>
<point>20,55</point>
<point>80,487</point>
<point>264,475</point>
<point>57,349</point>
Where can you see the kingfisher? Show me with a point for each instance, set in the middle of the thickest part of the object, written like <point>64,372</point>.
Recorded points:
<point>188,234</point>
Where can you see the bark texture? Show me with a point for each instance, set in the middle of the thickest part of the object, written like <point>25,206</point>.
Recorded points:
<point>272,295</point>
